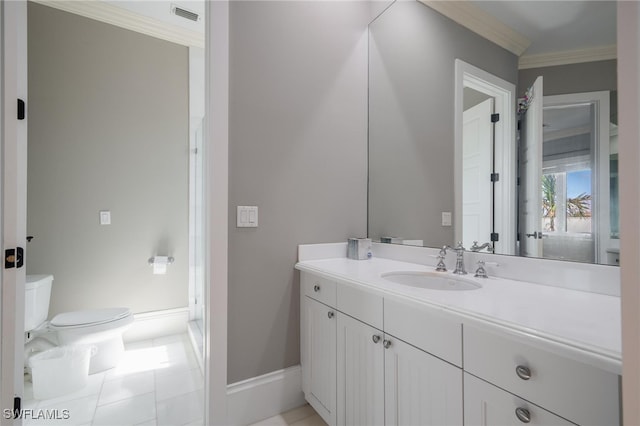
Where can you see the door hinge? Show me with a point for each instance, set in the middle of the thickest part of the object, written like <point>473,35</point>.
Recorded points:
<point>495,177</point>
<point>495,237</point>
<point>21,109</point>
<point>14,258</point>
<point>17,407</point>
<point>495,118</point>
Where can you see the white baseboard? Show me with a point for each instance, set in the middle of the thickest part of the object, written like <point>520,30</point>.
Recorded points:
<point>264,396</point>
<point>149,325</point>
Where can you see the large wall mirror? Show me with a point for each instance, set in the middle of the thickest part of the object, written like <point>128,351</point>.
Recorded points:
<point>473,142</point>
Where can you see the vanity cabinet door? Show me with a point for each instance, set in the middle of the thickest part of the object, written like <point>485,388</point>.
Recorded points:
<point>360,373</point>
<point>487,405</point>
<point>319,358</point>
<point>420,389</point>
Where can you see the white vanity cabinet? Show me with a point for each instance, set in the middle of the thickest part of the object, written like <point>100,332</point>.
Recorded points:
<point>380,379</point>
<point>420,389</point>
<point>569,389</point>
<point>373,358</point>
<point>360,373</point>
<point>318,349</point>
<point>488,405</point>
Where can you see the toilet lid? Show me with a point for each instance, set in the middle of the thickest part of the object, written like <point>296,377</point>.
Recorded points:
<point>94,316</point>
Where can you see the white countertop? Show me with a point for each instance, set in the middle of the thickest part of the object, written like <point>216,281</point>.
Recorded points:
<point>585,324</point>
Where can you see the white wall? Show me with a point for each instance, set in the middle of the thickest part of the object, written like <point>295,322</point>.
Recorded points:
<point>108,130</point>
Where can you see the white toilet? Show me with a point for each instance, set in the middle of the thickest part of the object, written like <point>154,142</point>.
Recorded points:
<point>101,328</point>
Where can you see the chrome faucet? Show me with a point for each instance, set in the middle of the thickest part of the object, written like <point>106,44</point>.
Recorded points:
<point>476,247</point>
<point>459,249</point>
<point>441,267</point>
<point>481,272</point>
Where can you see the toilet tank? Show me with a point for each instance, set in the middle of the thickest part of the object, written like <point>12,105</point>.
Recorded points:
<point>36,301</point>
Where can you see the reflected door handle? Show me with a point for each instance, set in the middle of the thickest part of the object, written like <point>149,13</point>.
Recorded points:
<point>537,235</point>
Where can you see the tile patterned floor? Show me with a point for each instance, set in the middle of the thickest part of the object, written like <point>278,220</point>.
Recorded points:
<point>301,416</point>
<point>158,382</point>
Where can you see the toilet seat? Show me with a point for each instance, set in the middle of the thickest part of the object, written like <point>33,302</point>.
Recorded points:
<point>89,318</point>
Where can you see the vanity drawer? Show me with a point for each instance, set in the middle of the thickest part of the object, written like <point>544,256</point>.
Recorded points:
<point>320,289</point>
<point>576,391</point>
<point>361,305</point>
<point>425,328</point>
<point>485,404</point>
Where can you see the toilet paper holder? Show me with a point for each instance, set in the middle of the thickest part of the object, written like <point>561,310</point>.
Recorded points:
<point>152,260</point>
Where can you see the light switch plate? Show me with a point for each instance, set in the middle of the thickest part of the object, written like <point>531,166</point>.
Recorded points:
<point>247,217</point>
<point>105,217</point>
<point>446,218</point>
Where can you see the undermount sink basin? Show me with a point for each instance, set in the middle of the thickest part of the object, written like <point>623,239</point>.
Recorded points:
<point>431,280</point>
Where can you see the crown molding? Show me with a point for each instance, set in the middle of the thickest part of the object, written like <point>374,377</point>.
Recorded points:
<point>123,18</point>
<point>481,23</point>
<point>568,57</point>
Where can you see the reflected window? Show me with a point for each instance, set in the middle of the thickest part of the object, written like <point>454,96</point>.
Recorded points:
<point>566,202</point>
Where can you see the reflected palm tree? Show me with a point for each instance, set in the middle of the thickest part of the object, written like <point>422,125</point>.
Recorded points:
<point>578,206</point>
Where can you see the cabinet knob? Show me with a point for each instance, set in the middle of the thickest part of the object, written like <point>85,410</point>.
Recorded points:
<point>523,415</point>
<point>316,288</point>
<point>375,338</point>
<point>386,343</point>
<point>523,372</point>
<point>330,314</point>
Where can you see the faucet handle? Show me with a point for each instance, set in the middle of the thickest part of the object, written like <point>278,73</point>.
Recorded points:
<point>481,272</point>
<point>441,266</point>
<point>459,246</point>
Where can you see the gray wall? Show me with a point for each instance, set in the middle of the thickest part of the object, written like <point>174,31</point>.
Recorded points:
<point>298,150</point>
<point>411,114</point>
<point>108,129</point>
<point>572,78</point>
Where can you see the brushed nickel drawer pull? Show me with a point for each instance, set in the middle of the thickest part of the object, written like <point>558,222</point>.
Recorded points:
<point>316,288</point>
<point>375,338</point>
<point>523,372</point>
<point>386,343</point>
<point>330,314</point>
<point>523,415</point>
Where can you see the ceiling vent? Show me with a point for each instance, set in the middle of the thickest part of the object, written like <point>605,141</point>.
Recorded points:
<point>184,13</point>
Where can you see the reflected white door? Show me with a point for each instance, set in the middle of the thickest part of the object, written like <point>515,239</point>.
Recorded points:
<point>13,164</point>
<point>477,166</point>
<point>531,176</point>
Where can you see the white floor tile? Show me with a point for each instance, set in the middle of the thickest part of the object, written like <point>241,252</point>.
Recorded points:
<point>155,377</point>
<point>126,386</point>
<point>180,357</point>
<point>131,411</point>
<point>140,360</point>
<point>78,411</point>
<point>173,338</point>
<point>181,410</point>
<point>171,385</point>
<point>140,344</point>
<point>314,420</point>
<point>288,417</point>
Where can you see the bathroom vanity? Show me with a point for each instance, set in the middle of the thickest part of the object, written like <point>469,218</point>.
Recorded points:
<point>375,352</point>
